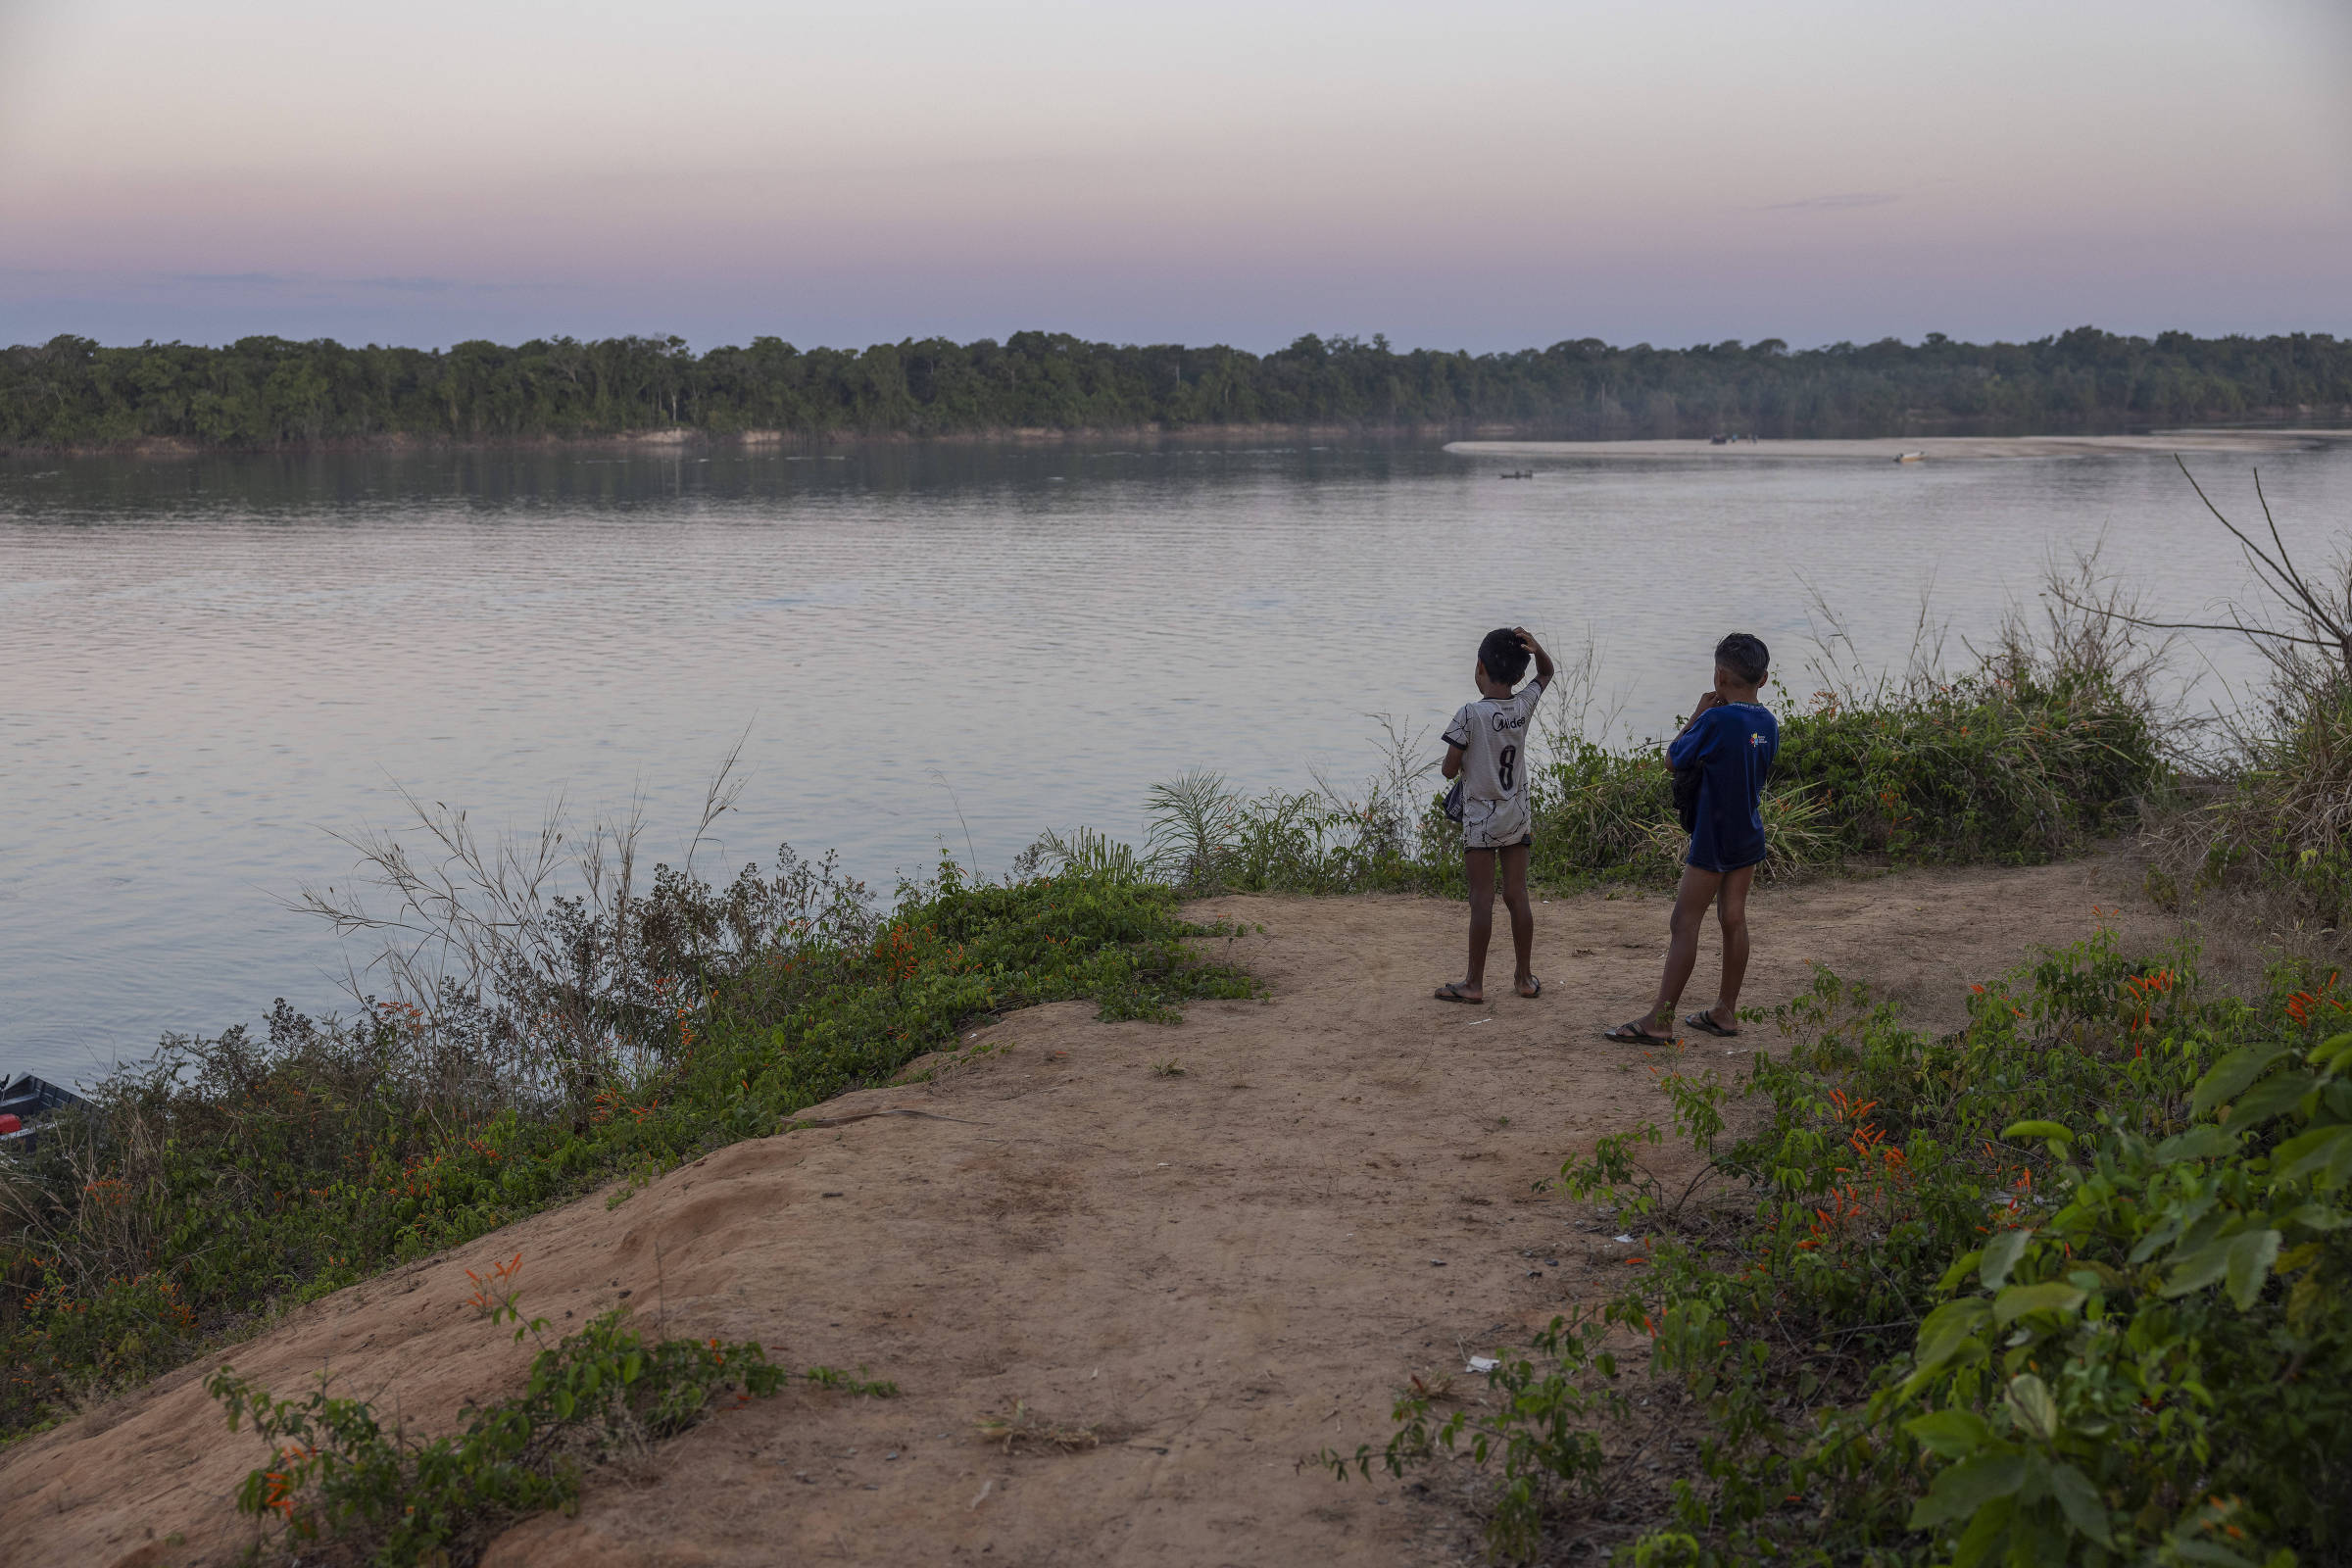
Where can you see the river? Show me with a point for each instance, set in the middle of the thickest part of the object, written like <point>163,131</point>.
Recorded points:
<point>216,665</point>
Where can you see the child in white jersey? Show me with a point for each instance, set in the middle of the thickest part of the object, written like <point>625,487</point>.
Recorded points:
<point>1486,747</point>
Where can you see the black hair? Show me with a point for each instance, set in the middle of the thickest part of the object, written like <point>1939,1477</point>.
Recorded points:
<point>1745,655</point>
<point>1502,655</point>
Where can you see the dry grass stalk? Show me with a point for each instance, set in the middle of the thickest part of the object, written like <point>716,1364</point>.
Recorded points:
<point>1021,1425</point>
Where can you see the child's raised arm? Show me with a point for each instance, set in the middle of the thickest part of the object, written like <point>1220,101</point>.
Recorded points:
<point>1527,640</point>
<point>1707,700</point>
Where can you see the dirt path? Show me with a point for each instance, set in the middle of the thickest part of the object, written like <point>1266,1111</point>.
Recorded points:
<point>1219,1270</point>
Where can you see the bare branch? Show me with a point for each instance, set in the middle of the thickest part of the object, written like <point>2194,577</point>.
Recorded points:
<point>2282,578</point>
<point>2238,626</point>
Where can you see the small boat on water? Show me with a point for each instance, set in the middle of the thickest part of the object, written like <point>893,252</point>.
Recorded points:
<point>1516,474</point>
<point>26,1101</point>
<point>1912,456</point>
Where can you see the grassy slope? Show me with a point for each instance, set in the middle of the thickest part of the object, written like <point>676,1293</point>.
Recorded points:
<point>235,1177</point>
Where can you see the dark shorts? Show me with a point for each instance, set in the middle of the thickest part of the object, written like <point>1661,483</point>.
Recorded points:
<point>1739,864</point>
<point>1526,841</point>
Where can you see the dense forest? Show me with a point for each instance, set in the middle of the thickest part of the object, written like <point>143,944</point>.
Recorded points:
<point>267,392</point>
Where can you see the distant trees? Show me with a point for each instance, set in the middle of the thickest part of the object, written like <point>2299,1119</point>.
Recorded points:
<point>267,392</point>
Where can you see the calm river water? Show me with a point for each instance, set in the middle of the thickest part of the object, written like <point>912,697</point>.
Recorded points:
<point>212,664</point>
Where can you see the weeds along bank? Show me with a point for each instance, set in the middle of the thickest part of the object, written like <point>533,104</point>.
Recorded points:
<point>2048,743</point>
<point>2072,1285</point>
<point>2268,834</point>
<point>232,1177</point>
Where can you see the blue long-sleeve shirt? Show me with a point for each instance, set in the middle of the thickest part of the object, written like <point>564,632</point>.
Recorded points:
<point>1732,748</point>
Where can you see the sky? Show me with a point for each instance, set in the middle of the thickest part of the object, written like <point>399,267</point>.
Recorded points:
<point>1483,174</point>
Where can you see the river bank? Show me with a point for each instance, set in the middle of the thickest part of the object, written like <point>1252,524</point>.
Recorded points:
<point>1213,1247</point>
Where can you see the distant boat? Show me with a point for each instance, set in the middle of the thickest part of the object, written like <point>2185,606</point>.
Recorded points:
<point>1518,474</point>
<point>1912,456</point>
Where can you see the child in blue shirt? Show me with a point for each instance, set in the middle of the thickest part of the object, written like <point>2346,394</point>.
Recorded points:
<point>1730,743</point>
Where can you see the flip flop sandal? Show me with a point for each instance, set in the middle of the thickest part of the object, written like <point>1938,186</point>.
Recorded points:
<point>1530,996</point>
<point>1451,991</point>
<point>1632,1034</point>
<point>1705,1024</point>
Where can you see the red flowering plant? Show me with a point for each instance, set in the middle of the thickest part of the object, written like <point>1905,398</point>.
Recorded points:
<point>2067,1286</point>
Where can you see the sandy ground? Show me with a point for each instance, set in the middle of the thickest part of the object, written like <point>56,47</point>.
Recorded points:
<point>1220,1270</point>
<point>1944,447</point>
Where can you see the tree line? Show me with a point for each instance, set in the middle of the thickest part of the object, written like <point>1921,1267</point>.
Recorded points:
<point>273,393</point>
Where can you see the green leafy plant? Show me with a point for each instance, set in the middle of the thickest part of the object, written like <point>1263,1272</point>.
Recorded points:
<point>339,1478</point>
<point>2128,1372</point>
<point>2073,1284</point>
<point>1537,1428</point>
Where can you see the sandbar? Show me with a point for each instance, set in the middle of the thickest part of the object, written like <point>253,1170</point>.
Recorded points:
<point>1888,449</point>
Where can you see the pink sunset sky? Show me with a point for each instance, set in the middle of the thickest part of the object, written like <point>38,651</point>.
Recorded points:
<point>1489,174</point>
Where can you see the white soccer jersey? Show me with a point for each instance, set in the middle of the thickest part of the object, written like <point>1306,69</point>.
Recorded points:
<point>1493,736</point>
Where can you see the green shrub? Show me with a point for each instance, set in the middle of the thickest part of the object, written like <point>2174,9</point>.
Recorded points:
<point>338,1478</point>
<point>2072,1284</point>
<point>2009,764</point>
<point>1539,1427</point>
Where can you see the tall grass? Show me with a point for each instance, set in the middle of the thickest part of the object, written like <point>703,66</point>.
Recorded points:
<point>2050,738</point>
<point>2269,832</point>
<point>2264,834</point>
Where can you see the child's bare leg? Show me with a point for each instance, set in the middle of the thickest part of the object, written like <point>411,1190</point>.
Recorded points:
<point>1731,912</point>
<point>1690,901</point>
<point>1479,867</point>
<point>1523,916</point>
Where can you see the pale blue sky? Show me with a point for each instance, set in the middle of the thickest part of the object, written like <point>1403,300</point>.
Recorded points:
<point>1488,173</point>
